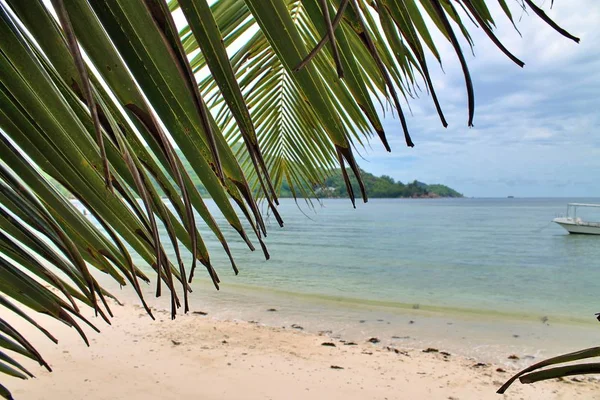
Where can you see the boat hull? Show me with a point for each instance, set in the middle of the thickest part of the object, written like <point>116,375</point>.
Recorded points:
<point>577,228</point>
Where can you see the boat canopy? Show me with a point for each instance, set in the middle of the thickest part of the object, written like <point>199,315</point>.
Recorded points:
<point>583,205</point>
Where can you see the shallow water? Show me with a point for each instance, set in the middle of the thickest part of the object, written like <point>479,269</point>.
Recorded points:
<point>468,272</point>
<point>483,254</point>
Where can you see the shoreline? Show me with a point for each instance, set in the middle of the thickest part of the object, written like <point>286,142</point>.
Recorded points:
<point>489,338</point>
<point>400,307</point>
<point>198,355</point>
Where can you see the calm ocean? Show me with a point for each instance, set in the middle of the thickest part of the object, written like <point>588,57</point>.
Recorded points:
<point>482,254</point>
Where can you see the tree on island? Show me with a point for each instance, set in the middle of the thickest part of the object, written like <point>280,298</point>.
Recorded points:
<point>381,187</point>
<point>102,97</point>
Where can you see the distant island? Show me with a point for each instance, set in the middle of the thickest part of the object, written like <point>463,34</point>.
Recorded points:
<point>378,187</point>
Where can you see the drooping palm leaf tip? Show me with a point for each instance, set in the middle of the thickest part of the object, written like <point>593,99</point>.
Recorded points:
<point>114,94</point>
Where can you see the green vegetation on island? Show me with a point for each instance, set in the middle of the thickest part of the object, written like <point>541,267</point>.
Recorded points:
<point>381,187</point>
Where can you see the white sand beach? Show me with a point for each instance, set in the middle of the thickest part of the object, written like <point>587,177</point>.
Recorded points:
<point>196,356</point>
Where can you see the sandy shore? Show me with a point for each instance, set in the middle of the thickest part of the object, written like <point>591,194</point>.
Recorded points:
<point>196,356</point>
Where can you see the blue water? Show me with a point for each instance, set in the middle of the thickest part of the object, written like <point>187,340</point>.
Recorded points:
<point>472,254</point>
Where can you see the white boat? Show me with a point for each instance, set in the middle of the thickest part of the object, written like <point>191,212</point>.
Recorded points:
<point>573,224</point>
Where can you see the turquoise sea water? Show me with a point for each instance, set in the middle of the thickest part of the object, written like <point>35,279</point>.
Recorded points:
<point>479,254</point>
<point>479,276</point>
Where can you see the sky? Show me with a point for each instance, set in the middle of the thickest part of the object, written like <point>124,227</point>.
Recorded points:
<point>536,130</point>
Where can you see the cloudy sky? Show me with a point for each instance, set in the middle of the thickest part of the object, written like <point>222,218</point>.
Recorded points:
<point>537,129</point>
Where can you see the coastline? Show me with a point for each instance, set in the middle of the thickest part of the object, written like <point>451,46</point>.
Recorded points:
<point>482,335</point>
<point>198,355</point>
